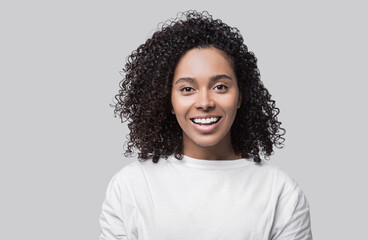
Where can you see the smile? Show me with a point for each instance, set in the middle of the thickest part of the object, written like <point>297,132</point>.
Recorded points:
<point>205,121</point>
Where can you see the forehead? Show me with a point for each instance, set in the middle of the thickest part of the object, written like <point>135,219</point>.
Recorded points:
<point>204,61</point>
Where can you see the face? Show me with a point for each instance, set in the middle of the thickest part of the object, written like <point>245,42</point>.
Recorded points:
<point>205,98</point>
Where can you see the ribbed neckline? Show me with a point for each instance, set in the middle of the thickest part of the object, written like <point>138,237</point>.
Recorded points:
<point>211,164</point>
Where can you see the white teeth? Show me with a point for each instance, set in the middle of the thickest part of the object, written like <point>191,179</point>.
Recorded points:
<point>205,120</point>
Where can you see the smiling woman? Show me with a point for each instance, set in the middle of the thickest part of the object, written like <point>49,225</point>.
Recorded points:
<point>205,98</point>
<point>200,117</point>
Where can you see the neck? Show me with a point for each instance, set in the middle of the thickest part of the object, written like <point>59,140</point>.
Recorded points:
<point>210,155</point>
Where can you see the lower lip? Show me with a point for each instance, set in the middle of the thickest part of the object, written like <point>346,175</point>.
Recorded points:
<point>206,128</point>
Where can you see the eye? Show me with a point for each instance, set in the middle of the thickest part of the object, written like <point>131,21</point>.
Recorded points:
<point>221,87</point>
<point>186,89</point>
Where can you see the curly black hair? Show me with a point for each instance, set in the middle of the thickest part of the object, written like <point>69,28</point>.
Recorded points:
<point>144,96</point>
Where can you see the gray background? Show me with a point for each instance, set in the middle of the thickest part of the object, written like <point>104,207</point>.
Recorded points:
<point>60,144</point>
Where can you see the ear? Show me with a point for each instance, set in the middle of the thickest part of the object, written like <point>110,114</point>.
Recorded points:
<point>239,100</point>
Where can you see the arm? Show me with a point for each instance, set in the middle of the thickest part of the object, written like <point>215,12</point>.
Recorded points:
<point>111,220</point>
<point>292,217</point>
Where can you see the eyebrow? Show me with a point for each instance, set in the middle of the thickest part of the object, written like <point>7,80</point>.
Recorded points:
<point>212,79</point>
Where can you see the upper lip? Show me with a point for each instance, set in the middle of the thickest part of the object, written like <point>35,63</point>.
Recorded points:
<point>205,116</point>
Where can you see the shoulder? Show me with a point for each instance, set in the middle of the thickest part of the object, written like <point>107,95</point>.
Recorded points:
<point>138,169</point>
<point>268,168</point>
<point>282,183</point>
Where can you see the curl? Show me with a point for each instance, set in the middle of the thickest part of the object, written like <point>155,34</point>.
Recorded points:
<point>144,95</point>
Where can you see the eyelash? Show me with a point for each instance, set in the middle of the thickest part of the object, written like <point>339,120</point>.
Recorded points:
<point>189,89</point>
<point>224,87</point>
<point>184,89</point>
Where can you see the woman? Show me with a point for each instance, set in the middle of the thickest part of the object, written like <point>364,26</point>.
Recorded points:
<point>200,118</point>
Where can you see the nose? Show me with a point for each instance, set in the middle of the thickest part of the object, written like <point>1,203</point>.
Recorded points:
<point>204,101</point>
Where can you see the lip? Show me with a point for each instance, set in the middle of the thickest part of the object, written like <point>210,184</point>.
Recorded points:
<point>205,116</point>
<point>206,128</point>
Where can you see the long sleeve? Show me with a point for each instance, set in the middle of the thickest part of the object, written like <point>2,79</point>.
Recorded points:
<point>292,221</point>
<point>111,219</point>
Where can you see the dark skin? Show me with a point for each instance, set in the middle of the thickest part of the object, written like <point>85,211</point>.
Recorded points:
<point>205,89</point>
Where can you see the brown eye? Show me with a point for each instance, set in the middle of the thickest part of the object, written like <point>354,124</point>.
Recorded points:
<point>220,87</point>
<point>186,89</point>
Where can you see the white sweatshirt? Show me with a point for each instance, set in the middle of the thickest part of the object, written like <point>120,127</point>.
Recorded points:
<point>193,199</point>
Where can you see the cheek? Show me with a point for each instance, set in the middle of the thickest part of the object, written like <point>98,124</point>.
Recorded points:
<point>230,105</point>
<point>180,105</point>
<point>173,103</point>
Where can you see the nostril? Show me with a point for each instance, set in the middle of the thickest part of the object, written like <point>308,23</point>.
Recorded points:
<point>205,104</point>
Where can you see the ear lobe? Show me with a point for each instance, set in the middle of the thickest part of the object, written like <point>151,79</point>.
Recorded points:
<point>239,101</point>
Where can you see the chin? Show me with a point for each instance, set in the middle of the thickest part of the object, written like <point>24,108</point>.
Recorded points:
<point>206,142</point>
